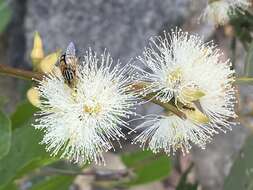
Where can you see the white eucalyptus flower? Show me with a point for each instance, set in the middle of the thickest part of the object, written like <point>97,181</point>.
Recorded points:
<point>170,133</point>
<point>218,11</point>
<point>80,123</point>
<point>181,69</point>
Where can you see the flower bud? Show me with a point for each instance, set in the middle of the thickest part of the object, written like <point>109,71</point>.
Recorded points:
<point>191,94</point>
<point>37,53</point>
<point>33,97</point>
<point>48,63</point>
<point>196,116</point>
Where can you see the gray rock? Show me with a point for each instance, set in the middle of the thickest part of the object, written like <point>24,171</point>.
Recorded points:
<point>214,163</point>
<point>121,26</point>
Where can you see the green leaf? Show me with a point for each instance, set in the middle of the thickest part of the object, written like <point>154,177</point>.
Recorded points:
<point>54,183</point>
<point>5,134</point>
<point>243,25</point>
<point>25,149</point>
<point>23,88</point>
<point>249,62</point>
<point>11,186</point>
<point>5,14</point>
<point>35,164</point>
<point>241,174</point>
<point>188,186</point>
<point>23,114</point>
<point>148,167</point>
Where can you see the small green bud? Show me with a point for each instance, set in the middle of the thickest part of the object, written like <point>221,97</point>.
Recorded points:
<point>191,94</point>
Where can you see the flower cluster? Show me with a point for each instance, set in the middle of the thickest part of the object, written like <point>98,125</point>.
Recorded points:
<point>219,11</point>
<point>182,69</point>
<point>81,121</point>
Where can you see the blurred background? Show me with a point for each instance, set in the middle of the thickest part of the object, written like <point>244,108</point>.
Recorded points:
<point>123,27</point>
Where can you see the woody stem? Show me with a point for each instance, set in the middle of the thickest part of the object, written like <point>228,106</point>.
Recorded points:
<point>19,73</point>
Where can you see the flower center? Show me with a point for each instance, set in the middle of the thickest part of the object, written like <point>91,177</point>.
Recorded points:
<point>92,107</point>
<point>174,78</point>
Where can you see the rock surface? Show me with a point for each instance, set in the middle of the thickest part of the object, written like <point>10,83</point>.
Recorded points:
<point>120,26</point>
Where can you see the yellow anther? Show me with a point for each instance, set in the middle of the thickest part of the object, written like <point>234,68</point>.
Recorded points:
<point>93,110</point>
<point>174,77</point>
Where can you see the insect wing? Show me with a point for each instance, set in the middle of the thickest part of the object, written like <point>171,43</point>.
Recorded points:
<point>71,54</point>
<point>71,50</point>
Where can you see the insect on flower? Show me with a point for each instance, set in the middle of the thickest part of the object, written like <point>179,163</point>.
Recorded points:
<point>68,63</point>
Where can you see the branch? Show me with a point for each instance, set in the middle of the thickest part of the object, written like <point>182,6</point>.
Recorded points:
<point>98,174</point>
<point>30,75</point>
<point>244,80</point>
<point>19,73</point>
<point>169,106</point>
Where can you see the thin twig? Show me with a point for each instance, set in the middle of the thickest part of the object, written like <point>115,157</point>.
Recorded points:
<point>169,106</point>
<point>19,73</point>
<point>244,80</point>
<point>98,174</point>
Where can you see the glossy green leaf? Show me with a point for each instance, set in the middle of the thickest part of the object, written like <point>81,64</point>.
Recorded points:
<point>241,173</point>
<point>5,134</point>
<point>5,14</point>
<point>54,183</point>
<point>249,62</point>
<point>23,114</point>
<point>25,149</point>
<point>148,167</point>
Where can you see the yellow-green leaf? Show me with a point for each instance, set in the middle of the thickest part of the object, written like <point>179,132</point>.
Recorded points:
<point>5,134</point>
<point>54,183</point>
<point>24,150</point>
<point>5,14</point>
<point>148,167</point>
<point>241,173</point>
<point>23,114</point>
